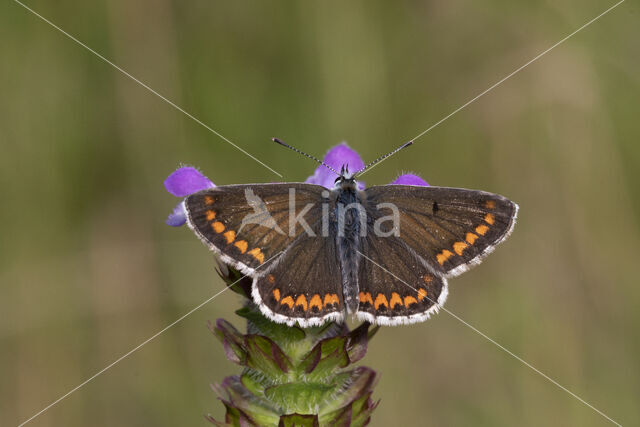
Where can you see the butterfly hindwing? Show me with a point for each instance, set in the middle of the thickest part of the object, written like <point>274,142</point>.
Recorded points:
<point>303,285</point>
<point>396,285</point>
<point>452,229</point>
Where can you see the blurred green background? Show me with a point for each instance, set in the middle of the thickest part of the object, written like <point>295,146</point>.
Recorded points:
<point>88,269</point>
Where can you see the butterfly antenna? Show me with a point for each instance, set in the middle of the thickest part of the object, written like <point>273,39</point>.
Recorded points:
<point>284,144</point>
<point>381,158</point>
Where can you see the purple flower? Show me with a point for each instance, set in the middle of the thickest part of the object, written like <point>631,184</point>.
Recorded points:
<point>184,181</point>
<point>336,157</point>
<point>188,180</point>
<point>410,179</point>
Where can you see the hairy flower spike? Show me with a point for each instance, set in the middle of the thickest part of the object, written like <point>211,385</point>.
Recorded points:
<point>294,376</point>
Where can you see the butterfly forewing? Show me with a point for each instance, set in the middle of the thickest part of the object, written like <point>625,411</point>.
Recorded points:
<point>249,224</point>
<point>450,228</point>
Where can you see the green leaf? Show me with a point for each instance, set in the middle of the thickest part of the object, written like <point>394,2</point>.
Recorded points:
<point>264,355</point>
<point>358,341</point>
<point>311,360</point>
<point>327,356</point>
<point>362,409</point>
<point>298,420</point>
<point>277,331</point>
<point>256,407</point>
<point>299,397</point>
<point>254,382</point>
<point>352,385</point>
<point>235,417</point>
<point>232,340</point>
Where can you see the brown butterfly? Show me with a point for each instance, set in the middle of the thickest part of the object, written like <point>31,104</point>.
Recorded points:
<point>383,253</point>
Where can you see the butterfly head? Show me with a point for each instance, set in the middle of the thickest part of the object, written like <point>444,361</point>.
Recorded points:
<point>345,179</point>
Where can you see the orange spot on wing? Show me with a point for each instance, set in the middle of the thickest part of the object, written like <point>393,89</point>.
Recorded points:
<point>366,297</point>
<point>490,219</point>
<point>271,278</point>
<point>257,254</point>
<point>482,229</point>
<point>276,294</point>
<point>230,236</point>
<point>302,301</point>
<point>427,278</point>
<point>316,301</point>
<point>408,300</point>
<point>242,245</point>
<point>459,247</point>
<point>395,300</point>
<point>211,215</point>
<point>208,200</point>
<point>218,227</point>
<point>470,238</point>
<point>490,204</point>
<point>380,300</point>
<point>422,294</point>
<point>287,301</point>
<point>443,256</point>
<point>330,299</point>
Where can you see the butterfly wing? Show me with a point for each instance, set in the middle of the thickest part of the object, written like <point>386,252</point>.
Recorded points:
<point>452,229</point>
<point>397,286</point>
<point>247,225</point>
<point>440,232</point>
<point>304,284</point>
<point>251,225</point>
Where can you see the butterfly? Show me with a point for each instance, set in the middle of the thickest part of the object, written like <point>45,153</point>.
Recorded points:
<point>383,253</point>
